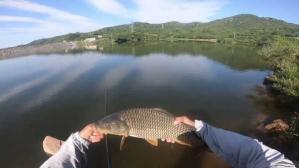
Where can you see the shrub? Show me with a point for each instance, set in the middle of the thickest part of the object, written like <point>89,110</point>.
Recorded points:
<point>282,55</point>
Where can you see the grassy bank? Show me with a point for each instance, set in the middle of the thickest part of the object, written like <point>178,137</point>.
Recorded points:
<point>283,56</point>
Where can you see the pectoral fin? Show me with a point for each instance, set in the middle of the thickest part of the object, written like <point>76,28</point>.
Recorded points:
<point>153,142</point>
<point>182,143</point>
<point>122,142</point>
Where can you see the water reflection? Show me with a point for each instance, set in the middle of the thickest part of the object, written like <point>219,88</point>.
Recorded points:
<point>58,94</point>
<point>236,57</point>
<point>69,77</point>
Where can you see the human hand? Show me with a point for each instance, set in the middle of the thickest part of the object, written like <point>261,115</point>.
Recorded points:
<point>185,120</point>
<point>179,120</point>
<point>91,134</point>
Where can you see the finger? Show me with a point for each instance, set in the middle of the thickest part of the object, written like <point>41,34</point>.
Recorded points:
<point>96,133</point>
<point>171,140</point>
<point>97,136</point>
<point>185,120</point>
<point>176,122</point>
<point>94,139</point>
<point>101,136</point>
<point>179,120</point>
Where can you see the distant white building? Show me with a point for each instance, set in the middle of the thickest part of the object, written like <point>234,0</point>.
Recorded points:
<point>100,36</point>
<point>89,40</point>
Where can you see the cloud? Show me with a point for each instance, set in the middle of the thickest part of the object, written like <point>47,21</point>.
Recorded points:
<point>43,9</point>
<point>21,88</point>
<point>69,78</point>
<point>109,6</point>
<point>150,75</point>
<point>114,77</point>
<point>30,84</point>
<point>157,11</point>
<point>56,22</point>
<point>5,18</point>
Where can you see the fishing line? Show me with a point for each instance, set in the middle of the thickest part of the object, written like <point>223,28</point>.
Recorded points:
<point>108,154</point>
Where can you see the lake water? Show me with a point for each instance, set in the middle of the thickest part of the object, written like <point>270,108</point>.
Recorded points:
<point>57,94</point>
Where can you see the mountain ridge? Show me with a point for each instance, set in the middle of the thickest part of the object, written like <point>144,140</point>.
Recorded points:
<point>243,27</point>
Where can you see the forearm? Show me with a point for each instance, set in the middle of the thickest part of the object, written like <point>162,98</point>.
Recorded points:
<point>219,141</point>
<point>71,155</point>
<point>238,150</point>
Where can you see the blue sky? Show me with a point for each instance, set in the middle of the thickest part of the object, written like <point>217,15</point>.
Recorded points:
<point>22,21</point>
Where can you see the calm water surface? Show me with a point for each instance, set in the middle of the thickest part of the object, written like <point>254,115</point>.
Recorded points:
<point>57,94</point>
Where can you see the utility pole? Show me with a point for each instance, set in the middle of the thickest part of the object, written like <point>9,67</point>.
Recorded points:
<point>132,28</point>
<point>111,38</point>
<point>162,25</point>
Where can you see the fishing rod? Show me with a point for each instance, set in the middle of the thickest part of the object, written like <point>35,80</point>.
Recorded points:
<point>108,153</point>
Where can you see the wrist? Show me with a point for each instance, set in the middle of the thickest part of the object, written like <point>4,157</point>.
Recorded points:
<point>192,123</point>
<point>198,124</point>
<point>86,132</point>
<point>83,135</point>
<point>78,138</point>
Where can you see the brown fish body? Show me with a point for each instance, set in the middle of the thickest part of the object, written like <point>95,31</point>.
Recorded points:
<point>146,123</point>
<point>152,123</point>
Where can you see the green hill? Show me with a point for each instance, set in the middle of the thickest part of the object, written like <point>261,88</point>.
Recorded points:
<point>244,29</point>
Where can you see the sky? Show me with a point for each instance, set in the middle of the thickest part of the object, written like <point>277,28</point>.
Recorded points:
<point>22,21</point>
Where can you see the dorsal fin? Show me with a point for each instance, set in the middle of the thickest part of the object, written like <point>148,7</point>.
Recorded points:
<point>160,109</point>
<point>164,111</point>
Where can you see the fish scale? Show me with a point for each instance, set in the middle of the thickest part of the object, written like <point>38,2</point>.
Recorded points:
<point>152,123</point>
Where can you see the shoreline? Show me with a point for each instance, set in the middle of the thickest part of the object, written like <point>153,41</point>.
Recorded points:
<point>37,49</point>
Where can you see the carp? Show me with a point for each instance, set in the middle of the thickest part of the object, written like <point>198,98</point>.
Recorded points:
<point>150,124</point>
